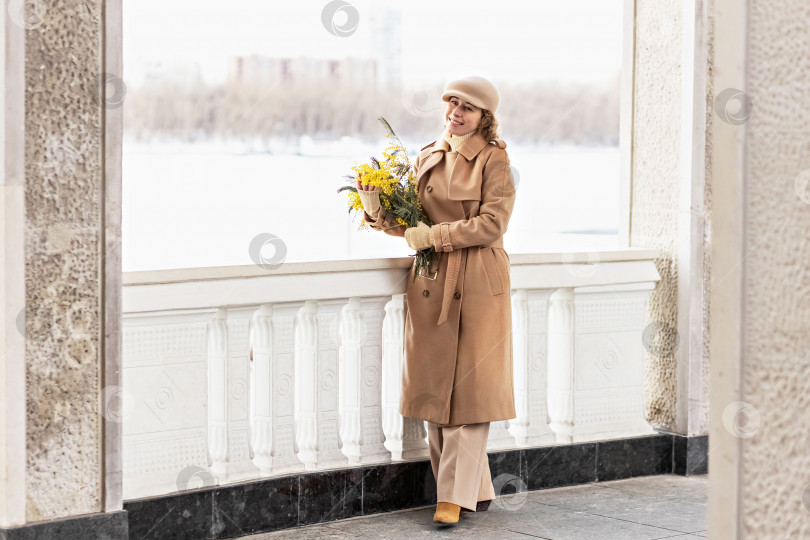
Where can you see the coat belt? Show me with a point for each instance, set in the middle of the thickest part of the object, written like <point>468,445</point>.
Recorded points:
<point>453,267</point>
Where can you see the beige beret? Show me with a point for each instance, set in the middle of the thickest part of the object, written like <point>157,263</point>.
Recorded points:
<point>477,90</point>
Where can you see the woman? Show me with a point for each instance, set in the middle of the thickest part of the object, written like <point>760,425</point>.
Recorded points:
<point>458,327</point>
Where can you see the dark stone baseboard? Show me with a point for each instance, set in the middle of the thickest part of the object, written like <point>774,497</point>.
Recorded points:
<point>305,498</point>
<point>108,526</point>
<point>690,455</point>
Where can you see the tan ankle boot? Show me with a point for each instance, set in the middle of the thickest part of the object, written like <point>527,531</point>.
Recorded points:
<point>446,513</point>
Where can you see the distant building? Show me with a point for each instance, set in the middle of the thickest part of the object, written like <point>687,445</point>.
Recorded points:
<point>381,66</point>
<point>287,70</point>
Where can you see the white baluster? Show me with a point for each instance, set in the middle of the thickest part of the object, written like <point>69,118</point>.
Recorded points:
<point>530,331</point>
<point>404,437</point>
<point>499,437</point>
<point>317,384</point>
<point>218,392</point>
<point>561,364</point>
<point>273,426</point>
<point>240,456</point>
<point>360,381</point>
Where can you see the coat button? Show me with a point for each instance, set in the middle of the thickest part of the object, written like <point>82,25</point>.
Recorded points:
<point>426,293</point>
<point>457,295</point>
<point>430,188</point>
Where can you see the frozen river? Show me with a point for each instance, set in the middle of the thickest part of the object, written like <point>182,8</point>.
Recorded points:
<point>201,205</point>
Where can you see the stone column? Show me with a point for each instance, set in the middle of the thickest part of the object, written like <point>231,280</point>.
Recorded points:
<point>71,198</point>
<point>669,201</point>
<point>760,289</point>
<point>12,277</point>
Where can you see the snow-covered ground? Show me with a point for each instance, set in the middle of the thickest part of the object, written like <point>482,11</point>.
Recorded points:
<point>194,205</point>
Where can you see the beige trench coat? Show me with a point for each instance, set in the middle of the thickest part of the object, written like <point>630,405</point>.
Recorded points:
<point>458,327</point>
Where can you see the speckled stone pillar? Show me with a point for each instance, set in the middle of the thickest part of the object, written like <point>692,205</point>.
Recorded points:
<point>12,277</point>
<point>71,201</point>
<point>760,312</point>
<point>670,206</point>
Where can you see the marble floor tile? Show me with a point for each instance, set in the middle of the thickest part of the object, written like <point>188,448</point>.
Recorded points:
<point>664,486</point>
<point>649,508</point>
<point>675,514</point>
<point>559,523</point>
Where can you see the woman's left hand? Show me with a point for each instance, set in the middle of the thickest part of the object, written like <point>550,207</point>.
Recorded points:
<point>419,237</point>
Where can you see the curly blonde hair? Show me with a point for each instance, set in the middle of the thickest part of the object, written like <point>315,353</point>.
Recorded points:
<point>488,126</point>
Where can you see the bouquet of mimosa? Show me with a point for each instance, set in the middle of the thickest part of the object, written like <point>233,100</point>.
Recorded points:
<point>393,175</point>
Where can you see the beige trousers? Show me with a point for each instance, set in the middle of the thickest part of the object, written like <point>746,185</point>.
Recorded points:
<point>458,456</point>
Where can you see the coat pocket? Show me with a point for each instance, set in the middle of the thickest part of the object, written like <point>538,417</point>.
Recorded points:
<point>491,268</point>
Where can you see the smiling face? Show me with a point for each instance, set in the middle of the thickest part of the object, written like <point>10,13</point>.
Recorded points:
<point>461,117</point>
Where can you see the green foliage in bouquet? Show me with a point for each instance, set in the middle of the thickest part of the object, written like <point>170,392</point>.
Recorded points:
<point>393,175</point>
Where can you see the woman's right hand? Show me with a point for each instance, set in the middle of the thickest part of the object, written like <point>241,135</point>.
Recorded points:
<point>363,187</point>
<point>369,197</point>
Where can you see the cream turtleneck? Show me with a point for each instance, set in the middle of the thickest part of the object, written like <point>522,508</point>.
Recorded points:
<point>455,140</point>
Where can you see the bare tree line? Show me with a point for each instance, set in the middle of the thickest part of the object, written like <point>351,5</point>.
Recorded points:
<point>528,113</point>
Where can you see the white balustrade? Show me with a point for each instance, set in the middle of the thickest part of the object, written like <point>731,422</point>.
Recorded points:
<point>561,368</point>
<point>324,385</point>
<point>228,395</point>
<point>609,361</point>
<point>530,353</point>
<point>163,401</point>
<point>596,377</point>
<point>405,437</point>
<point>217,391</point>
<point>317,384</point>
<point>272,389</point>
<point>361,381</point>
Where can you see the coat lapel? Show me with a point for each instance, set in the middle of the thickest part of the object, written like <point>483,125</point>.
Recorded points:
<point>435,155</point>
<point>462,185</point>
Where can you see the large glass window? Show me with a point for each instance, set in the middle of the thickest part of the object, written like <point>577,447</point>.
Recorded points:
<point>241,118</point>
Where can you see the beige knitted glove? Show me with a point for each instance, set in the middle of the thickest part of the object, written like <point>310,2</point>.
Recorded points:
<point>370,200</point>
<point>419,237</point>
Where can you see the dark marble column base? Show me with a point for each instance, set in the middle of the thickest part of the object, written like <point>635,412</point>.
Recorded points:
<point>690,455</point>
<point>109,526</point>
<point>305,498</point>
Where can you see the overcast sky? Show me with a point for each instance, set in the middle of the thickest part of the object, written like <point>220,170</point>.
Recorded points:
<point>508,40</point>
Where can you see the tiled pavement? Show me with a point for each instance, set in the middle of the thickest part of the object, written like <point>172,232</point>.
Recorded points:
<point>662,506</point>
